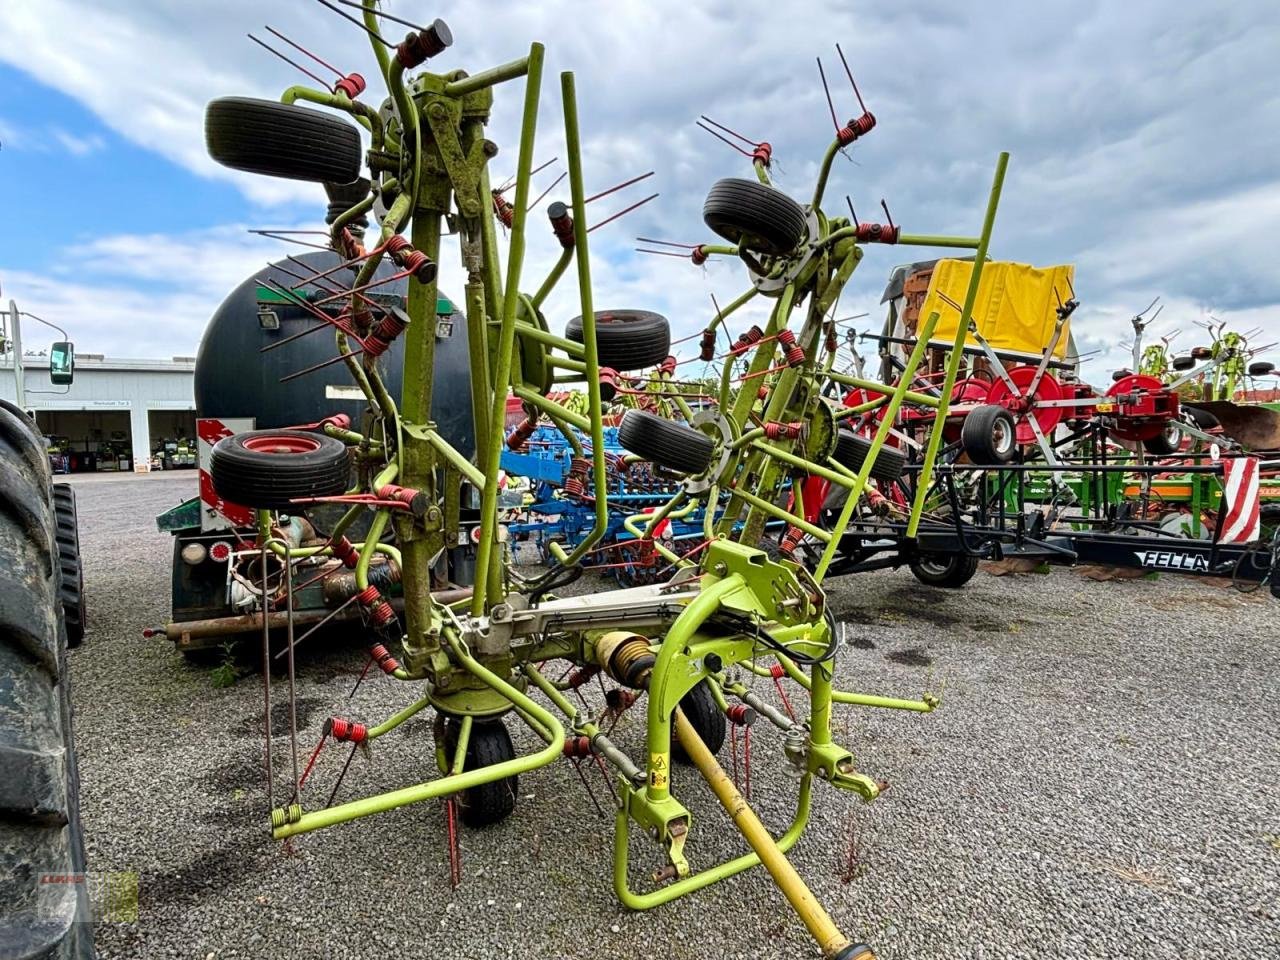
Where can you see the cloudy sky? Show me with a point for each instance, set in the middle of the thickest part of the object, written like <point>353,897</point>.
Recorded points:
<point>1143,135</point>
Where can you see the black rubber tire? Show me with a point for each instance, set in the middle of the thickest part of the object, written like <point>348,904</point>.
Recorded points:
<point>1203,418</point>
<point>1202,353</point>
<point>626,339</point>
<point>988,435</point>
<point>1262,368</point>
<point>1165,444</point>
<point>40,830</point>
<point>851,451</point>
<point>1120,374</point>
<point>489,744</point>
<point>754,216</point>
<point>71,588</point>
<point>664,442</point>
<point>1184,362</point>
<point>950,570</point>
<point>282,140</point>
<point>702,711</point>
<point>19,433</point>
<point>272,480</point>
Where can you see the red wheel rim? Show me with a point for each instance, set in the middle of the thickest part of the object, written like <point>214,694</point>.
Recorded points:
<point>281,444</point>
<point>1137,431</point>
<point>1047,390</point>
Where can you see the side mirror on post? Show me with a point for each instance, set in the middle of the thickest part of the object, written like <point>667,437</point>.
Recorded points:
<point>62,362</point>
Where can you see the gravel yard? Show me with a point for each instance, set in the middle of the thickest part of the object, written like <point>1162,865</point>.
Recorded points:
<point>1102,779</point>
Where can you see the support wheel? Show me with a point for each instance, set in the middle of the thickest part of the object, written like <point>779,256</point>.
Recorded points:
<point>754,216</point>
<point>282,140</point>
<point>626,339</point>
<point>851,451</point>
<point>1262,368</point>
<point>71,586</point>
<point>702,711</point>
<point>1184,362</point>
<point>988,435</point>
<point>950,570</point>
<point>489,744</point>
<point>668,444</point>
<point>269,469</point>
<point>1167,441</point>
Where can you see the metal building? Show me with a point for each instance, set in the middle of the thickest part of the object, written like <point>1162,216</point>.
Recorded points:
<point>115,415</point>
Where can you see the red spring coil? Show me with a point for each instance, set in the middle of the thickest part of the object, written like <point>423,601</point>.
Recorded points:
<point>396,243</point>
<point>610,382</point>
<point>352,85</point>
<point>418,47</point>
<point>577,747</point>
<point>346,552</point>
<point>854,129</point>
<point>368,596</point>
<point>698,255</point>
<point>741,714</point>
<point>878,233</point>
<point>384,659</point>
<point>580,465</point>
<point>346,731</point>
<point>517,438</point>
<point>582,675</point>
<point>503,210</point>
<point>388,328</point>
<point>776,430</point>
<point>668,366</point>
<point>763,153</point>
<point>574,486</point>
<point>415,262</point>
<point>619,700</point>
<point>707,345</point>
<point>777,672</point>
<point>833,342</point>
<point>794,352</point>
<point>790,541</point>
<point>416,500</point>
<point>747,338</point>
<point>561,224</point>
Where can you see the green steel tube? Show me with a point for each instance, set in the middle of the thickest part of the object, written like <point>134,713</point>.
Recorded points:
<point>733,305</point>
<point>930,240</point>
<point>496,75</point>
<point>338,101</point>
<point>398,718</point>
<point>571,347</point>
<point>809,467</point>
<point>658,734</point>
<point>492,264</point>
<point>953,362</point>
<point>785,515</point>
<point>570,436</point>
<point>824,172</point>
<point>379,51</point>
<point>485,551</point>
<point>885,391</point>
<point>376,526</point>
<point>550,407</point>
<point>697,881</point>
<point>557,271</point>
<point>762,172</point>
<point>456,459</point>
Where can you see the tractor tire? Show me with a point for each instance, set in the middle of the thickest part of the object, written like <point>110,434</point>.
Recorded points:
<point>702,711</point>
<point>626,339</point>
<point>282,140</point>
<point>489,744</point>
<point>40,832</point>
<point>988,435</point>
<point>754,216</point>
<point>1262,368</point>
<point>269,469</point>
<point>851,451</point>
<point>950,570</point>
<point>1184,362</point>
<point>1167,442</point>
<point>20,435</point>
<point>668,444</point>
<point>71,590</point>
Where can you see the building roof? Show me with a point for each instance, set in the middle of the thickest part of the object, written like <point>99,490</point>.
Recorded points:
<point>96,361</point>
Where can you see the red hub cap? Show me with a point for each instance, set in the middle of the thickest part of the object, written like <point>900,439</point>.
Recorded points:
<point>282,444</point>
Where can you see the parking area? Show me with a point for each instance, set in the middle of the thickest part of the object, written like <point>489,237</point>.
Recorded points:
<point>1100,780</point>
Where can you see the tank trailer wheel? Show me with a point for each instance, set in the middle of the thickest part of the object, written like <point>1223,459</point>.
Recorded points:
<point>701,710</point>
<point>950,570</point>
<point>282,140</point>
<point>268,469</point>
<point>71,589</point>
<point>851,451</point>
<point>668,444</point>
<point>489,744</point>
<point>626,339</point>
<point>989,435</point>
<point>754,216</point>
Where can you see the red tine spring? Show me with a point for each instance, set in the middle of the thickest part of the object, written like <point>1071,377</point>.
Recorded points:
<point>582,675</point>
<point>352,85</point>
<point>707,345</point>
<point>762,392</point>
<point>854,129</point>
<point>790,541</point>
<point>384,659</point>
<point>518,437</point>
<point>415,500</point>
<point>412,261</point>
<point>794,352</point>
<point>698,255</point>
<point>390,327</point>
<point>610,383</point>
<point>380,614</point>
<point>776,670</point>
<point>345,551</point>
<point>741,714</point>
<point>747,338</point>
<point>878,233</point>
<point>777,430</point>
<point>561,224</point>
<point>346,731</point>
<point>618,699</point>
<point>668,366</point>
<point>575,484</point>
<point>576,748</point>
<point>503,210</point>
<point>763,153</point>
<point>420,46</point>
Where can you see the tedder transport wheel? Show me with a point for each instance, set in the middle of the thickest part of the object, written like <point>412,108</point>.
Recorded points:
<point>1262,368</point>
<point>626,339</point>
<point>701,710</point>
<point>754,216</point>
<point>851,451</point>
<point>269,469</point>
<point>952,570</point>
<point>1184,362</point>
<point>1166,442</point>
<point>988,435</point>
<point>71,589</point>
<point>40,833</point>
<point>282,140</point>
<point>668,444</point>
<point>488,744</point>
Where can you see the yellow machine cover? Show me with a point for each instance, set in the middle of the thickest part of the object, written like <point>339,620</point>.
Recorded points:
<point>1016,303</point>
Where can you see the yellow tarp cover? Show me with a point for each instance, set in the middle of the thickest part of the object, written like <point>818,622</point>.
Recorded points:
<point>1016,303</point>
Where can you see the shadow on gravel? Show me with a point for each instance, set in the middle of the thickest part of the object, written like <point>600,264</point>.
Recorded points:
<point>251,726</point>
<point>910,657</point>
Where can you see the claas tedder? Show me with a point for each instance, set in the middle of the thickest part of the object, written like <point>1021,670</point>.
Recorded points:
<point>678,646</point>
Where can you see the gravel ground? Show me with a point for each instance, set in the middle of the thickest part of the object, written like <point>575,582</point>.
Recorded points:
<point>1102,780</point>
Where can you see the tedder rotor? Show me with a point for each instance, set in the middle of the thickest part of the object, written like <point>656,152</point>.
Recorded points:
<point>683,642</point>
